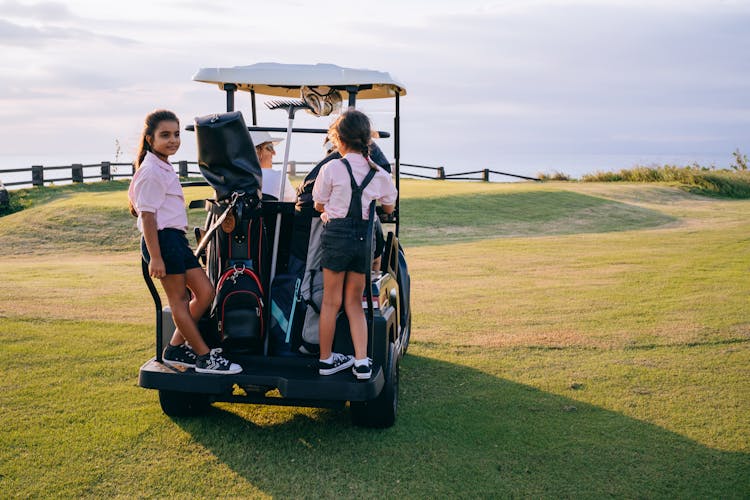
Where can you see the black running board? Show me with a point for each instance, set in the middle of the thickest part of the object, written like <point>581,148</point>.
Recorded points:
<point>296,380</point>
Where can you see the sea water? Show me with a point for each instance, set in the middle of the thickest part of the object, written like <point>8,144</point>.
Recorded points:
<point>525,164</point>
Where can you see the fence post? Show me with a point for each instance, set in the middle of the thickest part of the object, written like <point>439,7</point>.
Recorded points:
<point>183,168</point>
<point>441,173</point>
<point>486,175</point>
<point>4,196</point>
<point>37,176</point>
<point>292,168</point>
<point>132,169</point>
<point>106,171</point>
<point>76,171</point>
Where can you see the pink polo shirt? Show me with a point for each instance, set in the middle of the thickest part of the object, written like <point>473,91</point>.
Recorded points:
<point>156,188</point>
<point>333,189</point>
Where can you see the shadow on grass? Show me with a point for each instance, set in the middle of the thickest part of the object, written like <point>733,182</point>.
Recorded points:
<point>451,219</point>
<point>464,433</point>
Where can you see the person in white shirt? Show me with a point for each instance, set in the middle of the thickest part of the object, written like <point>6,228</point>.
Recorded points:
<point>155,196</point>
<point>264,148</point>
<point>342,193</point>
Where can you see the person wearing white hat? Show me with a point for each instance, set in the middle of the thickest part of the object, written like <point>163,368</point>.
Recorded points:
<point>264,148</point>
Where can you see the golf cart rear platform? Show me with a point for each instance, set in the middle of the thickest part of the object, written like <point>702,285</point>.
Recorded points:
<point>295,378</point>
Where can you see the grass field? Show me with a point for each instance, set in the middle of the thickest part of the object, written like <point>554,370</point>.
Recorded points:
<point>570,340</point>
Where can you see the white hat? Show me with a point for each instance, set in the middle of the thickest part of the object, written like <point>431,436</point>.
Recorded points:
<point>261,136</point>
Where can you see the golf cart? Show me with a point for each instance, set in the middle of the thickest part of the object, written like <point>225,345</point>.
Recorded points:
<point>275,242</point>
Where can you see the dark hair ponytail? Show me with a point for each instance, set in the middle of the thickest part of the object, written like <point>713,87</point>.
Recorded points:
<point>151,123</point>
<point>352,129</point>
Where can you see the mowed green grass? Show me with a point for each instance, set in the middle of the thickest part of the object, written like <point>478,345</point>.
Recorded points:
<point>570,340</point>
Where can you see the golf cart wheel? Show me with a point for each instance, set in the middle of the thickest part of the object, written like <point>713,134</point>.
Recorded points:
<point>183,404</point>
<point>380,413</point>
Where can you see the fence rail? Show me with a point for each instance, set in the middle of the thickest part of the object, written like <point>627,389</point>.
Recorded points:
<point>108,171</point>
<point>441,175</point>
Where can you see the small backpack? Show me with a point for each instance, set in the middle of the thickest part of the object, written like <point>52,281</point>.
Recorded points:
<point>238,309</point>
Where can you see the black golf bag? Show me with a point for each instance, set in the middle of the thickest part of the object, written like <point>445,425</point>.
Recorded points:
<point>235,243</point>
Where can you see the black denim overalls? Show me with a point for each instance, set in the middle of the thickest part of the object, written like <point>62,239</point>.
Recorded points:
<point>344,240</point>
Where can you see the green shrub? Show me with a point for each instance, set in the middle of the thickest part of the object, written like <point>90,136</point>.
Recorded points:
<point>695,178</point>
<point>554,176</point>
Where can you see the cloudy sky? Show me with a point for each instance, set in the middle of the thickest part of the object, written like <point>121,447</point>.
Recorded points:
<point>484,78</point>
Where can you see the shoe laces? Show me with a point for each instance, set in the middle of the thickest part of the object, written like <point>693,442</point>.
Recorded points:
<point>339,358</point>
<point>217,357</point>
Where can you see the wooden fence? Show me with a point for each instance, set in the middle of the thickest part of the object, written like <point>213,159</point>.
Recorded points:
<point>479,175</point>
<point>107,171</point>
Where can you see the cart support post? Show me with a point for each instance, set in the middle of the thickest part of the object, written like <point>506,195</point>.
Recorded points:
<point>397,156</point>
<point>370,317</point>
<point>352,92</point>
<point>230,89</point>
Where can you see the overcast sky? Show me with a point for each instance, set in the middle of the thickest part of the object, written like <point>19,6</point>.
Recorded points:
<point>484,79</point>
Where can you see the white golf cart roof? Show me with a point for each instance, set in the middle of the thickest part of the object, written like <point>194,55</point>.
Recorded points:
<point>285,80</point>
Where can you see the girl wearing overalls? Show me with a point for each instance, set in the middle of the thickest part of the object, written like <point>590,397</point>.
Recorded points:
<point>343,192</point>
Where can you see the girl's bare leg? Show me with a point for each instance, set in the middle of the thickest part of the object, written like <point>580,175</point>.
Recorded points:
<point>333,283</point>
<point>174,286</point>
<point>353,288</point>
<point>203,296</point>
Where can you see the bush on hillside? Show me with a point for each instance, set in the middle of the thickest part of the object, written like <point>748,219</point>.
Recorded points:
<point>554,176</point>
<point>697,179</point>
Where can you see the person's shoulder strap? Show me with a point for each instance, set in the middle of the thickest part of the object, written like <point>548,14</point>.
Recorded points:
<point>365,181</point>
<point>349,171</point>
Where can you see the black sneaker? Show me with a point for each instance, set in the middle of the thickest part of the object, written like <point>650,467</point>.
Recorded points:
<point>214,362</point>
<point>363,372</point>
<point>179,355</point>
<point>338,363</point>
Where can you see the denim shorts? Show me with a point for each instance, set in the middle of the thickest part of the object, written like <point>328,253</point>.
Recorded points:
<point>175,250</point>
<point>344,246</point>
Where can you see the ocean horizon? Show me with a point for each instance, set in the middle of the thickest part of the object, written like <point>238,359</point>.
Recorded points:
<point>522,164</point>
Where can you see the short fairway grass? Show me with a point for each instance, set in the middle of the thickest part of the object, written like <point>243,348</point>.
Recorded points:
<point>569,340</point>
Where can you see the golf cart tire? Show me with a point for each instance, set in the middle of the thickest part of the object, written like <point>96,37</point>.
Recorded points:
<point>183,404</point>
<point>380,413</point>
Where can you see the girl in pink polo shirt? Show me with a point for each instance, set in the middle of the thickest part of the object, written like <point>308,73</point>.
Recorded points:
<point>155,197</point>
<point>343,191</point>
